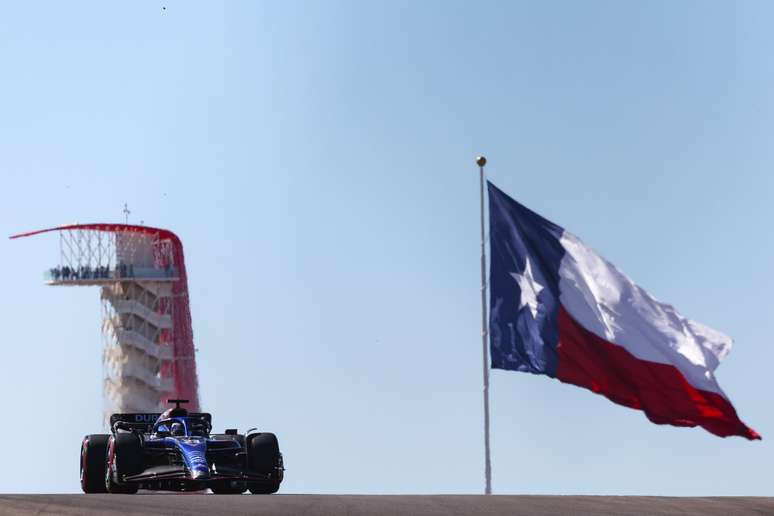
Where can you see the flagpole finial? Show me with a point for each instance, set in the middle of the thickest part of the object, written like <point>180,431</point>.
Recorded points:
<point>480,161</point>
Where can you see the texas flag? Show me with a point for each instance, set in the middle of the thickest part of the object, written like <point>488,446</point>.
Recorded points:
<point>560,309</point>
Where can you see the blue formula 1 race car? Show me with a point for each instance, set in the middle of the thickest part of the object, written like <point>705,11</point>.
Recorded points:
<point>175,451</point>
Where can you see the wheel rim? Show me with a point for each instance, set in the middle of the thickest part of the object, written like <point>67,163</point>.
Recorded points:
<point>109,469</point>
<point>82,468</point>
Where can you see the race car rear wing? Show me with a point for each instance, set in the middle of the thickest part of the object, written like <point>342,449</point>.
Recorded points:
<point>143,422</point>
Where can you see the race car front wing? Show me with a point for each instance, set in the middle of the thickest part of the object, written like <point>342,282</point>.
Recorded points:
<point>216,473</point>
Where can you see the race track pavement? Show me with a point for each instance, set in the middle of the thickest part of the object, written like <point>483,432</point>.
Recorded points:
<point>392,505</point>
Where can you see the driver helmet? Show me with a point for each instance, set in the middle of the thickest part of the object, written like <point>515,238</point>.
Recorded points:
<point>176,429</point>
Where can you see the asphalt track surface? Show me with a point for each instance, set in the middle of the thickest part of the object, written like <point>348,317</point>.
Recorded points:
<point>393,505</point>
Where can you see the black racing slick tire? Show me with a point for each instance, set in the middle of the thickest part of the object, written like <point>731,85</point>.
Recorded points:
<point>264,458</point>
<point>123,458</point>
<point>93,449</point>
<point>270,488</point>
<point>226,488</point>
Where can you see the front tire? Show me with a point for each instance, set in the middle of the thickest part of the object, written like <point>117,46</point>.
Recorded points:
<point>264,458</point>
<point>225,488</point>
<point>93,449</point>
<point>270,488</point>
<point>123,457</point>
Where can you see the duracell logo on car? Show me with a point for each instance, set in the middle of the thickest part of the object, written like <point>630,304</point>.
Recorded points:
<point>145,418</point>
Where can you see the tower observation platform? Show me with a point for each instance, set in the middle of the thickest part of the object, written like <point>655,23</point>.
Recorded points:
<point>148,352</point>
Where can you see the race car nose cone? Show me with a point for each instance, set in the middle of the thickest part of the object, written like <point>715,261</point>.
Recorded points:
<point>200,473</point>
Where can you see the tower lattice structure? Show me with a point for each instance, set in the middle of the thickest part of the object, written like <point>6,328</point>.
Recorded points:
<point>148,354</point>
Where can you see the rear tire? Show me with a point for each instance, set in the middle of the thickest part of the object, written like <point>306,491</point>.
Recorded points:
<point>93,449</point>
<point>264,458</point>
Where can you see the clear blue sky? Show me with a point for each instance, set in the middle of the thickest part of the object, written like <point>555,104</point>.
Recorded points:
<point>316,159</point>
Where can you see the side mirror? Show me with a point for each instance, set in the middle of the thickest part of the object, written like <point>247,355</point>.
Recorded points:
<point>162,429</point>
<point>121,425</point>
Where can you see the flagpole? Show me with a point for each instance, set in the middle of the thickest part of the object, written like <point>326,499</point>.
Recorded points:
<point>481,161</point>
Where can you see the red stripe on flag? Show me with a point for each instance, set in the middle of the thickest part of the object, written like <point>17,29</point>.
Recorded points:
<point>659,390</point>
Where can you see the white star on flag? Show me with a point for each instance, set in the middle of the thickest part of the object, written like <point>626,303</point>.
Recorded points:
<point>529,288</point>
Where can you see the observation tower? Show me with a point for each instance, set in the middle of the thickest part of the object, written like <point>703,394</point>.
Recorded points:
<point>148,353</point>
